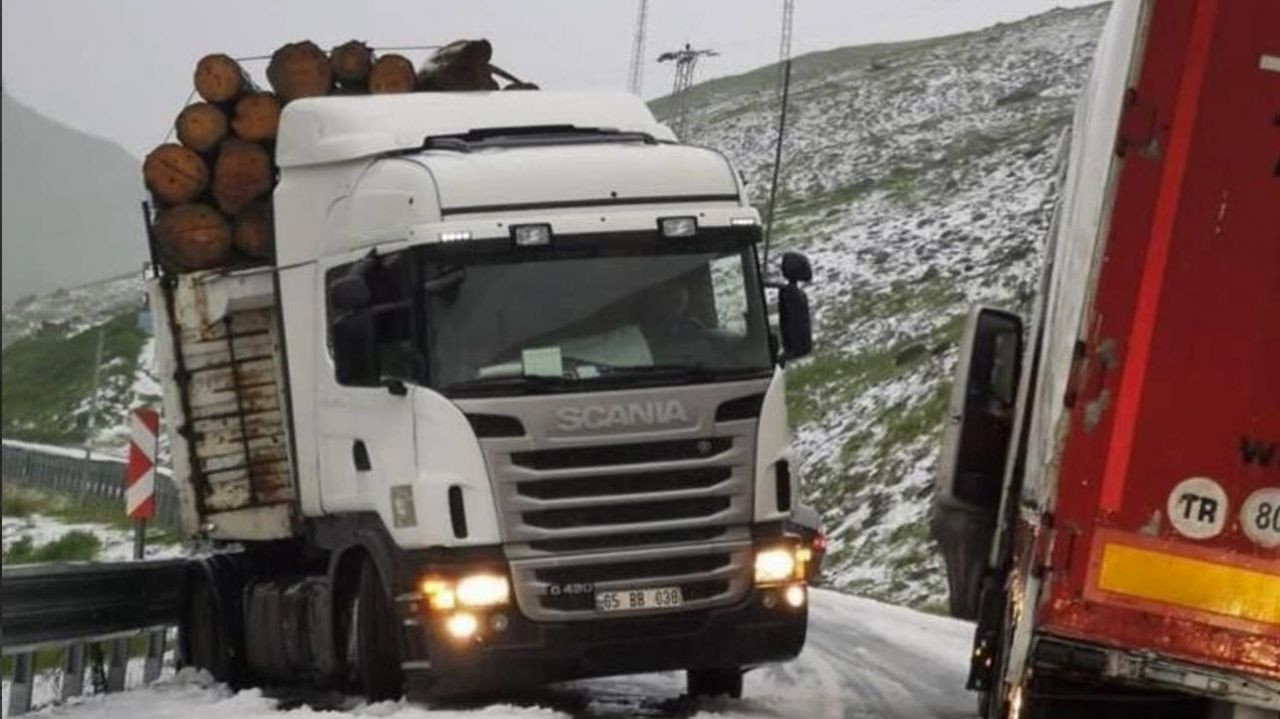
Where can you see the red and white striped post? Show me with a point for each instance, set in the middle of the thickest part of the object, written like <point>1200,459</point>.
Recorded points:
<point>140,473</point>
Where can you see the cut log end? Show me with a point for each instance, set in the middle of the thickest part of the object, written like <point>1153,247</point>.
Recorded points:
<point>351,62</point>
<point>392,73</point>
<point>458,66</point>
<point>175,174</point>
<point>193,236</point>
<point>257,117</point>
<point>299,69</point>
<point>218,78</point>
<point>241,174</point>
<point>201,126</point>
<point>252,233</point>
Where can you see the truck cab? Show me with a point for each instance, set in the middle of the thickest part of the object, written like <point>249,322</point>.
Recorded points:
<point>505,407</point>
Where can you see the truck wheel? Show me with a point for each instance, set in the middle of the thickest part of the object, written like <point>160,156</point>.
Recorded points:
<point>206,644</point>
<point>715,682</point>
<point>374,646</point>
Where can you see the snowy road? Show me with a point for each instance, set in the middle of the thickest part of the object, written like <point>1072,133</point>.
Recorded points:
<point>863,660</point>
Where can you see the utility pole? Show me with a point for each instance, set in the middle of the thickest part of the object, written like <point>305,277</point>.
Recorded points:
<point>686,60</point>
<point>635,81</point>
<point>92,420</point>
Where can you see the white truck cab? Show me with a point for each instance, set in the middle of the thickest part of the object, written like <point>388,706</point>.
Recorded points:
<point>505,407</point>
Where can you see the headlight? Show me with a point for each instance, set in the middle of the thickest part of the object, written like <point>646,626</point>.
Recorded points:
<point>775,565</point>
<point>483,590</point>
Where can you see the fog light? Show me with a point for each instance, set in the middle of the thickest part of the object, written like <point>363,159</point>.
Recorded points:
<point>462,625</point>
<point>499,622</point>
<point>770,600</point>
<point>795,595</point>
<point>483,590</point>
<point>775,565</point>
<point>531,235</point>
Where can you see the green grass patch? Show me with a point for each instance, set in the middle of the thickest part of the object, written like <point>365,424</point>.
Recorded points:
<point>48,374</point>
<point>77,510</point>
<point>74,546</point>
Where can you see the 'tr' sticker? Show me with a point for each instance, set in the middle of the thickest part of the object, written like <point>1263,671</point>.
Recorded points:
<point>1198,508</point>
<point>1260,517</point>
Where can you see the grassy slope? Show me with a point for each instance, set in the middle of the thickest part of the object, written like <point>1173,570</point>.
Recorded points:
<point>48,377</point>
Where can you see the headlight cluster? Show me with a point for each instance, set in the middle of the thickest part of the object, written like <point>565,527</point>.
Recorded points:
<point>472,592</point>
<point>458,600</point>
<point>777,565</point>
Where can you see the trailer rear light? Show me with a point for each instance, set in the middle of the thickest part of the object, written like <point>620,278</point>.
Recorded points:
<point>678,226</point>
<point>531,235</point>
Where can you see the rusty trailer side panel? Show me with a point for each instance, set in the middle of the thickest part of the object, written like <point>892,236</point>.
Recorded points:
<point>219,353</point>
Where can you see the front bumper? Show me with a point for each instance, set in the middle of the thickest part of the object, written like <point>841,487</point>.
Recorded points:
<point>526,653</point>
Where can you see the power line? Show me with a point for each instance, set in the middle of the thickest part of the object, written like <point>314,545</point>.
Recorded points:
<point>635,81</point>
<point>686,60</point>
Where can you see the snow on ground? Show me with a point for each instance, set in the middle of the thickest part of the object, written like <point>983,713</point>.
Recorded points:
<point>863,659</point>
<point>117,544</point>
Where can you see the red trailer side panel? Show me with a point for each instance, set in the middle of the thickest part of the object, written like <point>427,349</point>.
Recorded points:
<point>1168,500</point>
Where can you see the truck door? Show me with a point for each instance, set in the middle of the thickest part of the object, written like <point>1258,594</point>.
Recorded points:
<point>974,447</point>
<point>364,416</point>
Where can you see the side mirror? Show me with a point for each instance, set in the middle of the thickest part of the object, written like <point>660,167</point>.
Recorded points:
<point>355,349</point>
<point>795,324</point>
<point>350,293</point>
<point>796,268</point>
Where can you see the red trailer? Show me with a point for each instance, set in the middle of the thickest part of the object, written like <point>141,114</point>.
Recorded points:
<point>1109,499</point>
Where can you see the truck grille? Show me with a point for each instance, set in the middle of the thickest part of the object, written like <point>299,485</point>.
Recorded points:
<point>600,514</point>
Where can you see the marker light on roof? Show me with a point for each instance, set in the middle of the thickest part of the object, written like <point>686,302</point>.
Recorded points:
<point>678,226</point>
<point>531,235</point>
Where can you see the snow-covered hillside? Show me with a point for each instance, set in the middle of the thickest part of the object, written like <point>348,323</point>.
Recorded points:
<point>917,177</point>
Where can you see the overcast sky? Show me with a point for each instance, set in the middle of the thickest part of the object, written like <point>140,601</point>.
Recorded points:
<point>122,68</point>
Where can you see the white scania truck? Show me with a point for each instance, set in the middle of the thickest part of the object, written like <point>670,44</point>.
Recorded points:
<point>506,407</point>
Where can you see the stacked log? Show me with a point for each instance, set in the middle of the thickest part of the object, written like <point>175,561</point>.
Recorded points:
<point>212,189</point>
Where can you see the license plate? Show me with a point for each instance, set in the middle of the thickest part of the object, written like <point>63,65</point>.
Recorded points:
<point>627,600</point>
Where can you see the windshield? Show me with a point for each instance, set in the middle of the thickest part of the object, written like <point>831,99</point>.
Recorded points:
<point>580,319</point>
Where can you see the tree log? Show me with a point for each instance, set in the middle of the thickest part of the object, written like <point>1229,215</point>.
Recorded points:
<point>392,73</point>
<point>241,174</point>
<point>299,69</point>
<point>253,232</point>
<point>175,174</point>
<point>193,236</point>
<point>201,126</point>
<point>257,117</point>
<point>351,62</point>
<point>218,78</point>
<point>460,65</point>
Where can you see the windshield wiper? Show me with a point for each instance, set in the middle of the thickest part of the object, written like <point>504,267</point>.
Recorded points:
<point>524,384</point>
<point>684,372</point>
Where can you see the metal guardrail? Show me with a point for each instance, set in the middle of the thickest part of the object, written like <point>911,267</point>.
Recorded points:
<point>102,480</point>
<point>76,608</point>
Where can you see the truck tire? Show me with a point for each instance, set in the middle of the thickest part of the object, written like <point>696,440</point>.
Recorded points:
<point>376,651</point>
<point>714,682</point>
<point>205,628</point>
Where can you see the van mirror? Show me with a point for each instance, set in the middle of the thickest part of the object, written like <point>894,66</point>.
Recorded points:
<point>355,349</point>
<point>975,446</point>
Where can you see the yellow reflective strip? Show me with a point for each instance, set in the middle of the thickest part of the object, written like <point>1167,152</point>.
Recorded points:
<point>1194,583</point>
